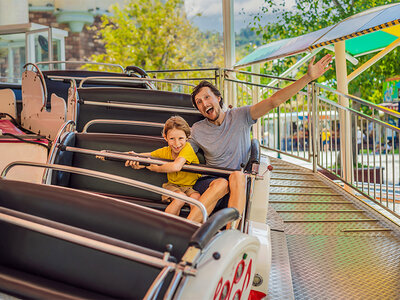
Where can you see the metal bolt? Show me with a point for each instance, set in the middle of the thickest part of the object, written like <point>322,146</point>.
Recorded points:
<point>258,280</point>
<point>216,255</point>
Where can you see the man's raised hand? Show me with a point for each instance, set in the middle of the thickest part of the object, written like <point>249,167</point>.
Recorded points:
<point>323,65</point>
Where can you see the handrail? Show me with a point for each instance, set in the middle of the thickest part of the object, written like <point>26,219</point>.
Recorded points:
<point>111,177</point>
<point>114,79</point>
<point>258,85</point>
<point>361,101</point>
<point>120,122</point>
<point>155,287</point>
<point>203,235</point>
<point>352,110</point>
<point>183,70</point>
<point>259,75</point>
<point>80,62</point>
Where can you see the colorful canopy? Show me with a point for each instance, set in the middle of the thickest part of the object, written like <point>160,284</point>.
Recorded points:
<point>367,31</point>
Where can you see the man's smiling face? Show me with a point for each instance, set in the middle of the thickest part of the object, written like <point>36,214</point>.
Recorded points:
<point>208,104</point>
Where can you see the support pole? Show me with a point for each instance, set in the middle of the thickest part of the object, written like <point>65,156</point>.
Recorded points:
<point>229,48</point>
<point>257,129</point>
<point>344,116</point>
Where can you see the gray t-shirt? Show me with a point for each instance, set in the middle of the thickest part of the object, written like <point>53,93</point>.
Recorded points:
<point>227,145</point>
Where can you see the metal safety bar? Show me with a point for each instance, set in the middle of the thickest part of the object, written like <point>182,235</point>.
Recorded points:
<point>148,160</point>
<point>120,122</point>
<point>114,178</point>
<point>80,63</point>
<point>146,107</point>
<point>131,79</point>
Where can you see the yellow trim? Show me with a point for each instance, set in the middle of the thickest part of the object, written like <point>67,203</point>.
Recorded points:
<point>373,60</point>
<point>394,30</point>
<point>385,27</point>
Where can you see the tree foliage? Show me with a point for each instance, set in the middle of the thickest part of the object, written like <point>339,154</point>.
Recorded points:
<point>156,35</point>
<point>311,15</point>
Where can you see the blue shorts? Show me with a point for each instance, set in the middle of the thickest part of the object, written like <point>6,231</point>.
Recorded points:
<point>202,185</point>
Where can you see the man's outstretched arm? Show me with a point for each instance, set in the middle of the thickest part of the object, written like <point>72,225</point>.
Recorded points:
<point>314,71</point>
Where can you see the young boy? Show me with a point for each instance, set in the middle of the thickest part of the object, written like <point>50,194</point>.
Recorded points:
<point>176,132</point>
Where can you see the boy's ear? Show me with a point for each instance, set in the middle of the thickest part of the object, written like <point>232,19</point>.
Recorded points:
<point>165,137</point>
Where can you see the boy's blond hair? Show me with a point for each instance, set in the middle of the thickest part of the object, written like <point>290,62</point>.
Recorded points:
<point>176,122</point>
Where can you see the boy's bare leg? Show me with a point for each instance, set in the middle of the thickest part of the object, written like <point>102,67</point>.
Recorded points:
<point>237,197</point>
<point>217,189</point>
<point>175,206</point>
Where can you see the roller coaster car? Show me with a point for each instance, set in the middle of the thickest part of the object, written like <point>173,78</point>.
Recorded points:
<point>79,150</point>
<point>225,264</point>
<point>60,243</point>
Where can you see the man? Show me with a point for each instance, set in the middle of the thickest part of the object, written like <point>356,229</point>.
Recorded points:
<point>225,136</point>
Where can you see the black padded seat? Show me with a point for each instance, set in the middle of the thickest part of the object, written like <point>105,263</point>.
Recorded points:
<point>169,100</point>
<point>38,266</point>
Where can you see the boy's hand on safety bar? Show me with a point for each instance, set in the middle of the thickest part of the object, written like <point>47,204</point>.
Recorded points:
<point>133,164</point>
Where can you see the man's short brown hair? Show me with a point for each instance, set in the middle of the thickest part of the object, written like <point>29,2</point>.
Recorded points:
<point>213,89</point>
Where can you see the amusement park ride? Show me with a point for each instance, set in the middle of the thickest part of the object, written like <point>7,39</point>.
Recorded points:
<point>73,227</point>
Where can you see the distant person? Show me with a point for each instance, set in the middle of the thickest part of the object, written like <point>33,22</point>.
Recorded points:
<point>224,136</point>
<point>360,139</point>
<point>325,137</point>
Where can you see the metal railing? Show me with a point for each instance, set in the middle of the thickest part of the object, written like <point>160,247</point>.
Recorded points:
<point>192,76</point>
<point>371,152</point>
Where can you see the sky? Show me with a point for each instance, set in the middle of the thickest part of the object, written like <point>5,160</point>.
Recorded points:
<point>211,13</point>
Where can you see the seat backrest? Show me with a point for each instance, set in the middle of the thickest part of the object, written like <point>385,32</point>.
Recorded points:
<point>60,87</point>
<point>169,101</point>
<point>7,103</point>
<point>56,260</point>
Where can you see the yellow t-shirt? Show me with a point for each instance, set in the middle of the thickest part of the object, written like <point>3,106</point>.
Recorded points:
<point>180,178</point>
<point>325,135</point>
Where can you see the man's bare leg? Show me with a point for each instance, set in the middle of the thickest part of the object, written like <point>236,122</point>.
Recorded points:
<point>237,197</point>
<point>217,189</point>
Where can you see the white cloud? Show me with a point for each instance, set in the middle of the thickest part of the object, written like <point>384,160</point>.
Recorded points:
<point>214,7</point>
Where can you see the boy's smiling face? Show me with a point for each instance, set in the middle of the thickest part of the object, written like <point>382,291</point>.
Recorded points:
<point>176,139</point>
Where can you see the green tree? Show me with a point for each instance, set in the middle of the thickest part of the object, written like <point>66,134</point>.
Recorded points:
<point>311,15</point>
<point>156,35</point>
